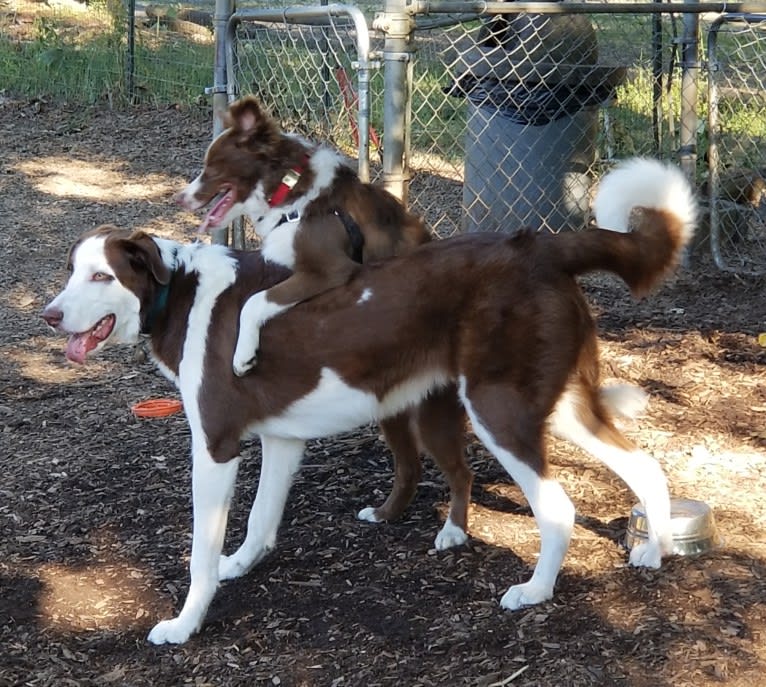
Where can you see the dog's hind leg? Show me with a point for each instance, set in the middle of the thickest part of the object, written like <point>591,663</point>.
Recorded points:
<point>441,425</point>
<point>580,418</point>
<point>512,430</point>
<point>281,459</point>
<point>212,488</point>
<point>401,439</point>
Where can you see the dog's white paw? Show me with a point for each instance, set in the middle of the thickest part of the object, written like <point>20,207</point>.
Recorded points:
<point>368,514</point>
<point>527,594</point>
<point>175,631</point>
<point>243,363</point>
<point>450,535</point>
<point>231,567</point>
<point>646,555</point>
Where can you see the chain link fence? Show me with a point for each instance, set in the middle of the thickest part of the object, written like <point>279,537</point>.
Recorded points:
<point>479,115</point>
<point>513,117</point>
<point>736,187</point>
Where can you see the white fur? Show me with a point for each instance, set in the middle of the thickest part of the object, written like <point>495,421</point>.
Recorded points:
<point>333,406</point>
<point>187,196</point>
<point>368,514</point>
<point>553,511</point>
<point>281,459</point>
<point>212,488</point>
<point>639,471</point>
<point>643,182</point>
<point>449,536</point>
<point>84,301</point>
<point>625,400</point>
<point>366,296</point>
<point>279,246</point>
<point>257,310</point>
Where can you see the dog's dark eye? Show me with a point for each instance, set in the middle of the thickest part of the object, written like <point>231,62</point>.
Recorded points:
<point>101,276</point>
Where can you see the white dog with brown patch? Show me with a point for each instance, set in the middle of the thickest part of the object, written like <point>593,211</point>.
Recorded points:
<point>502,318</point>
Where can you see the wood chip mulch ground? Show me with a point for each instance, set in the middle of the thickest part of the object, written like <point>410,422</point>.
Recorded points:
<point>95,505</point>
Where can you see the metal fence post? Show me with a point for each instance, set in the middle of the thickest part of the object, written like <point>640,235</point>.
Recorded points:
<point>689,73</point>
<point>130,61</point>
<point>398,27</point>
<point>223,11</point>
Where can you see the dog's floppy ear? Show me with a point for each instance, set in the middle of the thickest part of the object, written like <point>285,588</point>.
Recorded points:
<point>142,250</point>
<point>105,230</point>
<point>251,124</point>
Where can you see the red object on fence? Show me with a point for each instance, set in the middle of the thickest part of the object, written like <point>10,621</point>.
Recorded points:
<point>351,101</point>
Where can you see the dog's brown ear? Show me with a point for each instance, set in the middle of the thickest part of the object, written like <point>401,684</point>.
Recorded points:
<point>143,250</point>
<point>251,123</point>
<point>105,230</point>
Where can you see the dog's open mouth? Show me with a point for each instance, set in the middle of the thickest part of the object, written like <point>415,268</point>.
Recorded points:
<point>223,203</point>
<point>79,345</point>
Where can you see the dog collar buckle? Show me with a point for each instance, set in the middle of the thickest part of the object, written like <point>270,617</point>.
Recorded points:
<point>289,180</point>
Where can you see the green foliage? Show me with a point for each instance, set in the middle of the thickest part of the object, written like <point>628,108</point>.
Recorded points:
<point>82,58</point>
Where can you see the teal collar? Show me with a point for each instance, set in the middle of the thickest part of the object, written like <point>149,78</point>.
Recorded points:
<point>159,304</point>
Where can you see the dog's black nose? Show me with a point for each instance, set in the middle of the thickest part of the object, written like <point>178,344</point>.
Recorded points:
<point>52,316</point>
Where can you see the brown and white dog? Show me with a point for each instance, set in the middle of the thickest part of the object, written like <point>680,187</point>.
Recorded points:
<point>315,217</point>
<point>500,317</point>
<point>290,190</point>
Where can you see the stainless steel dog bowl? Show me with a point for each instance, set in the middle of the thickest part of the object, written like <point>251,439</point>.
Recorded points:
<point>693,525</point>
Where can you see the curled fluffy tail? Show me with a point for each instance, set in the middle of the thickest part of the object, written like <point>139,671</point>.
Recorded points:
<point>643,182</point>
<point>646,212</point>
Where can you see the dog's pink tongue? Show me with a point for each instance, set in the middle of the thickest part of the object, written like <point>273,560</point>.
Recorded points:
<point>79,345</point>
<point>218,211</point>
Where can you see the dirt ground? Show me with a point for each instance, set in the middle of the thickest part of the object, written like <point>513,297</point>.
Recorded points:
<point>95,504</point>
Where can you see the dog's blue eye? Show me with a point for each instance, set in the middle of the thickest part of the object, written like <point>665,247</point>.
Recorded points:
<point>101,276</point>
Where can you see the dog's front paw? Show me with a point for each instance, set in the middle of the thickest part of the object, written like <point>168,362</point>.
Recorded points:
<point>242,364</point>
<point>527,594</point>
<point>450,535</point>
<point>646,555</point>
<point>175,631</point>
<point>231,567</point>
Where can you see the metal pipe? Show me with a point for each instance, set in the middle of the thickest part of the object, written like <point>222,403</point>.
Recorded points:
<point>223,11</point>
<point>478,7</point>
<point>657,78</point>
<point>690,67</point>
<point>398,27</point>
<point>317,15</point>
<point>130,64</point>
<point>713,161</point>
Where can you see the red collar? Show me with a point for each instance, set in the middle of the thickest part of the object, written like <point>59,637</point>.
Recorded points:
<point>291,177</point>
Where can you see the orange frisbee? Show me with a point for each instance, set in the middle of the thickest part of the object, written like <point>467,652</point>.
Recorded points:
<point>156,407</point>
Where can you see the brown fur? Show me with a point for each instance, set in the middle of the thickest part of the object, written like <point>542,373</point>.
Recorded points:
<point>254,150</point>
<point>504,313</point>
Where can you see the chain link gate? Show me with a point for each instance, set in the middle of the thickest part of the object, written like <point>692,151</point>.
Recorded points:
<point>487,115</point>
<point>737,146</point>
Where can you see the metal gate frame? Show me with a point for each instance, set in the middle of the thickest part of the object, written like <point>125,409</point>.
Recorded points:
<point>225,88</point>
<point>714,179</point>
